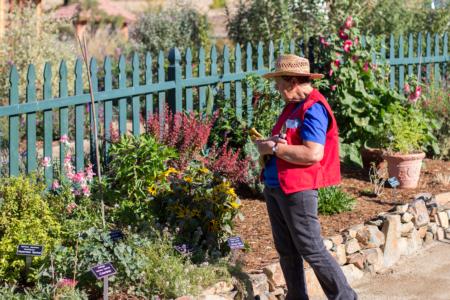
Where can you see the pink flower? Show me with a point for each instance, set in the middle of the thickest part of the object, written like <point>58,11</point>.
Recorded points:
<point>85,190</point>
<point>333,87</point>
<point>348,22</point>
<point>366,67</point>
<point>347,45</point>
<point>330,73</point>
<point>337,63</point>
<point>78,177</point>
<point>70,207</point>
<point>64,139</point>
<point>407,88</point>
<point>89,173</point>
<point>416,95</point>
<point>67,282</point>
<point>324,42</point>
<point>356,41</point>
<point>46,162</point>
<point>55,185</point>
<point>342,34</point>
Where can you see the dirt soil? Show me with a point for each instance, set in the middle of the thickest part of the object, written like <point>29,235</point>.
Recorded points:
<point>255,228</point>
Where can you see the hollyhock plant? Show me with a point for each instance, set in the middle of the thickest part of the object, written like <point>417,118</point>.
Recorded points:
<point>348,22</point>
<point>347,45</point>
<point>46,162</point>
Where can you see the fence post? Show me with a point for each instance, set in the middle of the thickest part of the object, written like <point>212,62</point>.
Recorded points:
<point>174,96</point>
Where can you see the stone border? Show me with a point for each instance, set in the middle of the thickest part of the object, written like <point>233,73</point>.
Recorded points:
<point>364,248</point>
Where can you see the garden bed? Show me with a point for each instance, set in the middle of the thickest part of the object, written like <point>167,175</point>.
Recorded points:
<point>255,228</point>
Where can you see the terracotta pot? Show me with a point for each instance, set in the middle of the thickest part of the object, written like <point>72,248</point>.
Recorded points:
<point>406,167</point>
<point>369,155</point>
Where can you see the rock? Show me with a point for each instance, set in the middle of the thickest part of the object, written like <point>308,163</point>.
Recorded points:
<point>401,208</point>
<point>422,231</point>
<point>376,237</point>
<point>403,246</point>
<point>406,227</point>
<point>341,255</point>
<point>425,197</point>
<point>448,213</point>
<point>278,291</point>
<point>313,285</point>
<point>259,283</point>
<point>442,219</point>
<point>351,232</point>
<point>352,273</point>
<point>275,274</point>
<point>406,217</point>
<point>391,229</point>
<point>440,234</point>
<point>352,246</point>
<point>337,239</point>
<point>214,297</point>
<point>442,199</point>
<point>414,242</point>
<point>328,244</point>
<point>428,238</point>
<point>377,222</point>
<point>447,234</point>
<point>432,211</point>
<point>219,288</point>
<point>357,259</point>
<point>419,212</point>
<point>432,227</point>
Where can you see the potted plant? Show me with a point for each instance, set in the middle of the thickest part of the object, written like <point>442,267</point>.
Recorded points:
<point>404,138</point>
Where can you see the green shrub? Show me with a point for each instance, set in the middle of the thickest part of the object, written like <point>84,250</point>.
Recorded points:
<point>25,218</point>
<point>179,26</point>
<point>170,275</point>
<point>332,200</point>
<point>200,206</point>
<point>134,175</point>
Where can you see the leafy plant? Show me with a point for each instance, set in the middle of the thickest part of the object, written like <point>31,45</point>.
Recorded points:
<point>179,26</point>
<point>201,205</point>
<point>333,200</point>
<point>134,175</point>
<point>25,218</point>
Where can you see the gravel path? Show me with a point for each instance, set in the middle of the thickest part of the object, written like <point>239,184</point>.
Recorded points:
<point>424,276</point>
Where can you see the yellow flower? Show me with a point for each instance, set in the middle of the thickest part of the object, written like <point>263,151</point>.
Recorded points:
<point>203,170</point>
<point>188,179</point>
<point>152,190</point>
<point>231,192</point>
<point>235,205</point>
<point>170,171</point>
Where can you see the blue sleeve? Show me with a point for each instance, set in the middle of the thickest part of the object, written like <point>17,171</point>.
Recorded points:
<point>315,124</point>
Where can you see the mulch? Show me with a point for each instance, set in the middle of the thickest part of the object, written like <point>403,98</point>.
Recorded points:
<point>255,228</point>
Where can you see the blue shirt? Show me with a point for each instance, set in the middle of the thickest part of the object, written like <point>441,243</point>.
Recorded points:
<point>313,129</point>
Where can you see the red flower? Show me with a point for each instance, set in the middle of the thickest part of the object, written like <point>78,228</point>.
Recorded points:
<point>337,63</point>
<point>330,72</point>
<point>333,87</point>
<point>324,42</point>
<point>342,34</point>
<point>366,67</point>
<point>348,22</point>
<point>407,88</point>
<point>347,45</point>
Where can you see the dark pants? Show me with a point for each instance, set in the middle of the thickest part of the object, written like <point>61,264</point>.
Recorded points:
<point>296,232</point>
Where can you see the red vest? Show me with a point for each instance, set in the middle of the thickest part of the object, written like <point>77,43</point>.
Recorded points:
<point>295,178</point>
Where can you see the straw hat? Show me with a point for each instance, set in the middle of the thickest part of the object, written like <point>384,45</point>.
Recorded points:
<point>292,65</point>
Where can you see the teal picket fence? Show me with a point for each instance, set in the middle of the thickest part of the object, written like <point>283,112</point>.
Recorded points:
<point>136,91</point>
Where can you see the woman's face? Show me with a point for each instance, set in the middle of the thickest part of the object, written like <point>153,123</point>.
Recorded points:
<point>290,90</point>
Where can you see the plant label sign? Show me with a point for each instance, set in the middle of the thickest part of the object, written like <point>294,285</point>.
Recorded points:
<point>393,182</point>
<point>116,235</point>
<point>103,270</point>
<point>184,249</point>
<point>30,250</point>
<point>235,243</point>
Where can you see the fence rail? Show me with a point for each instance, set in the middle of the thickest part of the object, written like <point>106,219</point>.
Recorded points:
<point>174,85</point>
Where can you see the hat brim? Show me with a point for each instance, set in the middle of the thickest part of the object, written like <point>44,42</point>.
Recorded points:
<point>286,73</point>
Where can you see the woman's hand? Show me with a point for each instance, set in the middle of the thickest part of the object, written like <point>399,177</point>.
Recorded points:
<point>266,146</point>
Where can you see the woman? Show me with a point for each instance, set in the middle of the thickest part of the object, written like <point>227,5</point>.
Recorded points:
<point>304,156</point>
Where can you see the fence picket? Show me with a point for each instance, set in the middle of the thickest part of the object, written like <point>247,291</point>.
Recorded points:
<point>292,47</point>
<point>14,123</point>
<point>48,124</point>
<point>63,114</point>
<point>93,68</point>
<point>122,102</point>
<point>161,95</point>
<point>238,83</point>
<point>108,106</point>
<point>401,69</point>
<point>271,56</point>
<point>249,93</point>
<point>135,103</point>
<point>148,81</point>
<point>391,59</point>
<point>428,56</point>
<point>79,117</point>
<point>260,64</point>
<point>31,120</point>
<point>436,78</point>
<point>201,73</point>
<point>281,48</point>
<point>410,54</point>
<point>226,71</point>
<point>447,58</point>
<point>420,56</point>
<point>188,75</point>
